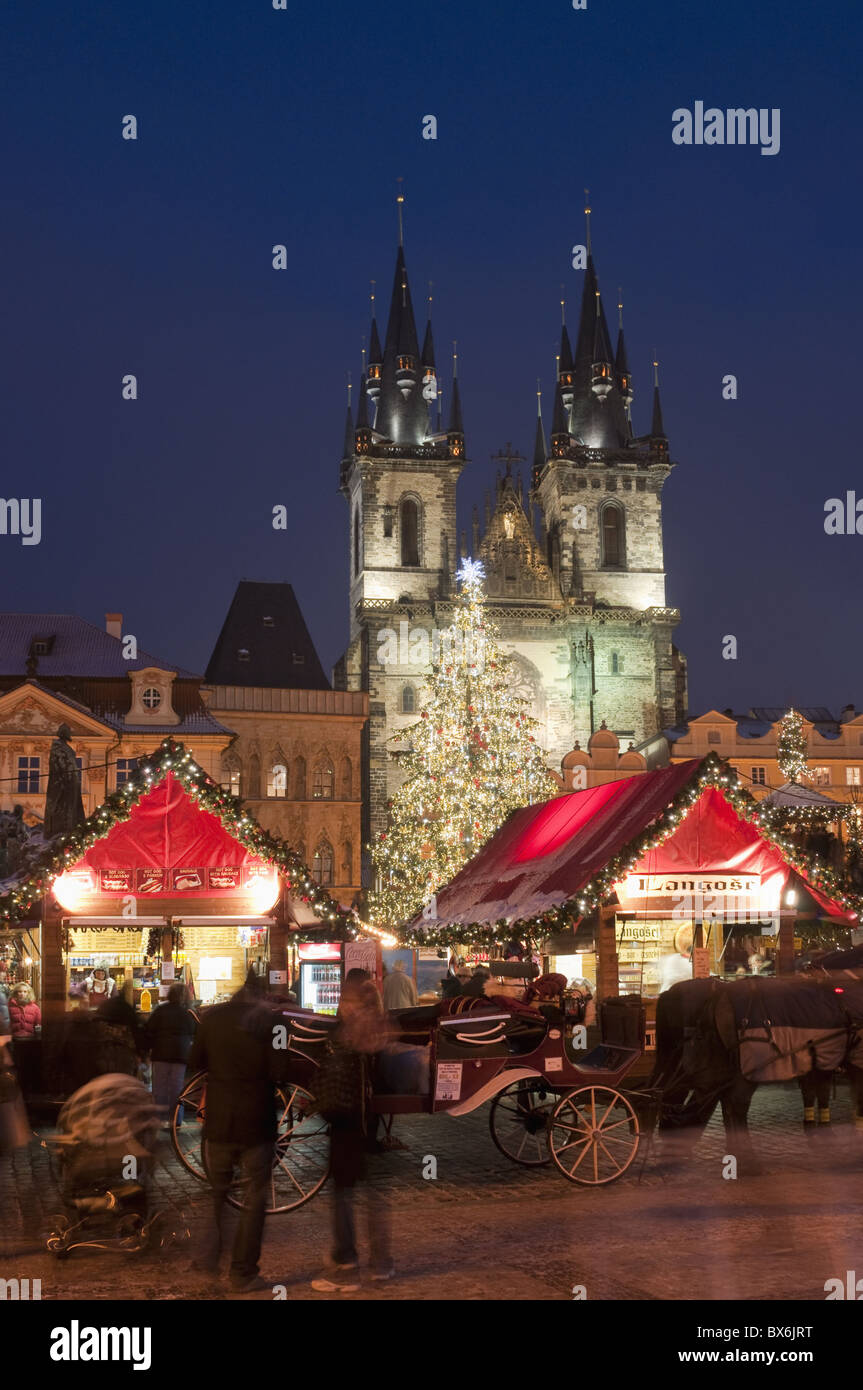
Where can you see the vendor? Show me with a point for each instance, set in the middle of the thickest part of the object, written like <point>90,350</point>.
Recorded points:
<point>98,987</point>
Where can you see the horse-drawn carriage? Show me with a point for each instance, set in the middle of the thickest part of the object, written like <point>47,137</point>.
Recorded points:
<point>552,1101</point>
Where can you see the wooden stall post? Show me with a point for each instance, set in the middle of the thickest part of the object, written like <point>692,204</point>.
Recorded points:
<point>785,952</point>
<point>607,979</point>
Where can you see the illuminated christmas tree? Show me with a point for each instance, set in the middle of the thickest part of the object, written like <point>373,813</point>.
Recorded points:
<point>791,751</point>
<point>473,757</point>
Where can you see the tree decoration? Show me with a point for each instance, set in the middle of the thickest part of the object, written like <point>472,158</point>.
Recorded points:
<point>65,850</point>
<point>791,747</point>
<point>473,758</point>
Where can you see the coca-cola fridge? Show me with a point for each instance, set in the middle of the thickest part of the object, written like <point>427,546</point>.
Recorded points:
<point>323,966</point>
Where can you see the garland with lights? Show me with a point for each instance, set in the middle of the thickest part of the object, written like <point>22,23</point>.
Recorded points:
<point>474,757</point>
<point>64,851</point>
<point>600,887</point>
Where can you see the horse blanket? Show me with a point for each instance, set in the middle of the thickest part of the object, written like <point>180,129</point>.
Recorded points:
<point>787,1026</point>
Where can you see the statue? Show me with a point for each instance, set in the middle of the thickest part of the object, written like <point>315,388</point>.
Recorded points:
<point>64,808</point>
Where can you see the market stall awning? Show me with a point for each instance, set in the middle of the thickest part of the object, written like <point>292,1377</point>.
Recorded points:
<point>582,843</point>
<point>795,797</point>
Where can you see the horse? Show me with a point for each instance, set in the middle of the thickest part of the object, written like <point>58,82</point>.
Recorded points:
<point>717,1041</point>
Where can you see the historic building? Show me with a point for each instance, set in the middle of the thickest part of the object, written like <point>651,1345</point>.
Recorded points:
<point>750,742</point>
<point>59,669</point>
<point>575,578</point>
<point>296,755</point>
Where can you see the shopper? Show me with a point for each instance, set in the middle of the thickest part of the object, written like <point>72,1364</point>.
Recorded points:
<point>25,1016</point>
<point>168,1037</point>
<point>362,1032</point>
<point>233,1045</point>
<point>399,989</point>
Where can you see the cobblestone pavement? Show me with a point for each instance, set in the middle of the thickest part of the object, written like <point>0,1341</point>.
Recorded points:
<point>485,1228</point>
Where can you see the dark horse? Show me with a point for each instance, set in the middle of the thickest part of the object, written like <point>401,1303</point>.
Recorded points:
<point>718,1041</point>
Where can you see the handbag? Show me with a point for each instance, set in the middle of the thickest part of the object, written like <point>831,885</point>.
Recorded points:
<point>340,1084</point>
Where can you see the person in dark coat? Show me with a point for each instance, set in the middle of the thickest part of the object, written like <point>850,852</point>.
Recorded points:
<point>168,1036</point>
<point>118,1037</point>
<point>234,1046</point>
<point>363,1031</point>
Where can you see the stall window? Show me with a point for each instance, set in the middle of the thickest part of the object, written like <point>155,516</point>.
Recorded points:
<point>28,774</point>
<point>126,769</point>
<point>322,866</point>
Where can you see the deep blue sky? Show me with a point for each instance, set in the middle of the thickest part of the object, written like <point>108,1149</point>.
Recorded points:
<point>259,126</point>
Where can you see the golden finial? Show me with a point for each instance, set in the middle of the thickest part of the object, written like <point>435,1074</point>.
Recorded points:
<point>655,368</point>
<point>454,359</point>
<point>349,390</point>
<point>372,296</point>
<point>400,199</point>
<point>538,397</point>
<point>587,216</point>
<point>562,308</point>
<point>620,308</point>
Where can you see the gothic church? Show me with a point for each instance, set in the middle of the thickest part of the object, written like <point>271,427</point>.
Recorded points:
<point>575,578</point>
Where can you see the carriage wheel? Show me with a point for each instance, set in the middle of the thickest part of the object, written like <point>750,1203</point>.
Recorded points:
<point>593,1135</point>
<point>186,1138</point>
<point>301,1161</point>
<point>519,1121</point>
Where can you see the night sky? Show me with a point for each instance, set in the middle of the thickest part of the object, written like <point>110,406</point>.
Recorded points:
<point>259,127</point>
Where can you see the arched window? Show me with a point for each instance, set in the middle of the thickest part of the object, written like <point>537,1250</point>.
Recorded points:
<point>322,865</point>
<point>410,531</point>
<point>347,780</point>
<point>357,556</point>
<point>613,536</point>
<point>323,783</point>
<point>254,776</point>
<point>277,780</point>
<point>299,779</point>
<point>348,865</point>
<point>409,699</point>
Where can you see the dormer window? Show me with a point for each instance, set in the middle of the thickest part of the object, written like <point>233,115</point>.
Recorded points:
<point>298,659</point>
<point>269,622</point>
<point>151,698</point>
<point>242,654</point>
<point>40,648</point>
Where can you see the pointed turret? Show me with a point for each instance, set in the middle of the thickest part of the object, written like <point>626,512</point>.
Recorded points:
<point>564,361</point>
<point>455,429</point>
<point>597,416</point>
<point>540,453</point>
<point>622,374</point>
<point>560,438</point>
<point>348,446</point>
<point>402,412</point>
<point>657,429</point>
<point>428,373</point>
<point>362,433</point>
<point>376,357</point>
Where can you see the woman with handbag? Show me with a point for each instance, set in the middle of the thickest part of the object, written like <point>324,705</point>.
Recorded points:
<point>343,1086</point>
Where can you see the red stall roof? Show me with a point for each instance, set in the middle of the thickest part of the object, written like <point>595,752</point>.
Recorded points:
<point>547,854</point>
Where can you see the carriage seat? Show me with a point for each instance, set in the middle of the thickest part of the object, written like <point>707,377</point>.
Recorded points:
<point>415,1025</point>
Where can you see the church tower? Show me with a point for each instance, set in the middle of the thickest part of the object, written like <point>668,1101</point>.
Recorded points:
<point>399,471</point>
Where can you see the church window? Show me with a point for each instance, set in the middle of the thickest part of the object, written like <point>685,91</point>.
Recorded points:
<point>409,700</point>
<point>627,485</point>
<point>126,769</point>
<point>151,698</point>
<point>388,521</point>
<point>322,865</point>
<point>357,558</point>
<point>28,774</point>
<point>640,484</point>
<point>581,484</point>
<point>348,864</point>
<point>410,532</point>
<point>254,776</point>
<point>234,781</point>
<point>299,779</point>
<point>612,532</point>
<point>347,779</point>
<point>615,664</point>
<point>322,789</point>
<point>277,780</point>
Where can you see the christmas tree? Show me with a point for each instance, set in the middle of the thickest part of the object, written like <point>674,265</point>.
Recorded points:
<point>473,757</point>
<point>791,752</point>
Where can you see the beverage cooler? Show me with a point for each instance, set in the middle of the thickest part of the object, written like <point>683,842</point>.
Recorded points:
<point>321,974</point>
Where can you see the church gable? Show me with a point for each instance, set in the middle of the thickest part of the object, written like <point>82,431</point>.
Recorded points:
<point>514,565</point>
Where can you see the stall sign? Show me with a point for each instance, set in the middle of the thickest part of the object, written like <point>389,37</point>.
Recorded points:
<point>255,872</point>
<point>448,1081</point>
<point>323,950</point>
<point>150,881</point>
<point>187,880</point>
<point>167,970</point>
<point>116,880</point>
<point>690,881</point>
<point>361,955</point>
<point>225,876</point>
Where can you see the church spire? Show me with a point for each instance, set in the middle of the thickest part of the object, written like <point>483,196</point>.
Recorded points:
<point>539,450</point>
<point>622,374</point>
<point>348,447</point>
<point>456,424</point>
<point>597,415</point>
<point>376,357</point>
<point>657,429</point>
<point>402,415</point>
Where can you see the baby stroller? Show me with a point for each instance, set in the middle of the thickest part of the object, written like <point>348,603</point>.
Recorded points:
<point>104,1148</point>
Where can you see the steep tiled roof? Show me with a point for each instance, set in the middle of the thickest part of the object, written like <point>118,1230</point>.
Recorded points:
<point>76,648</point>
<point>264,641</point>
